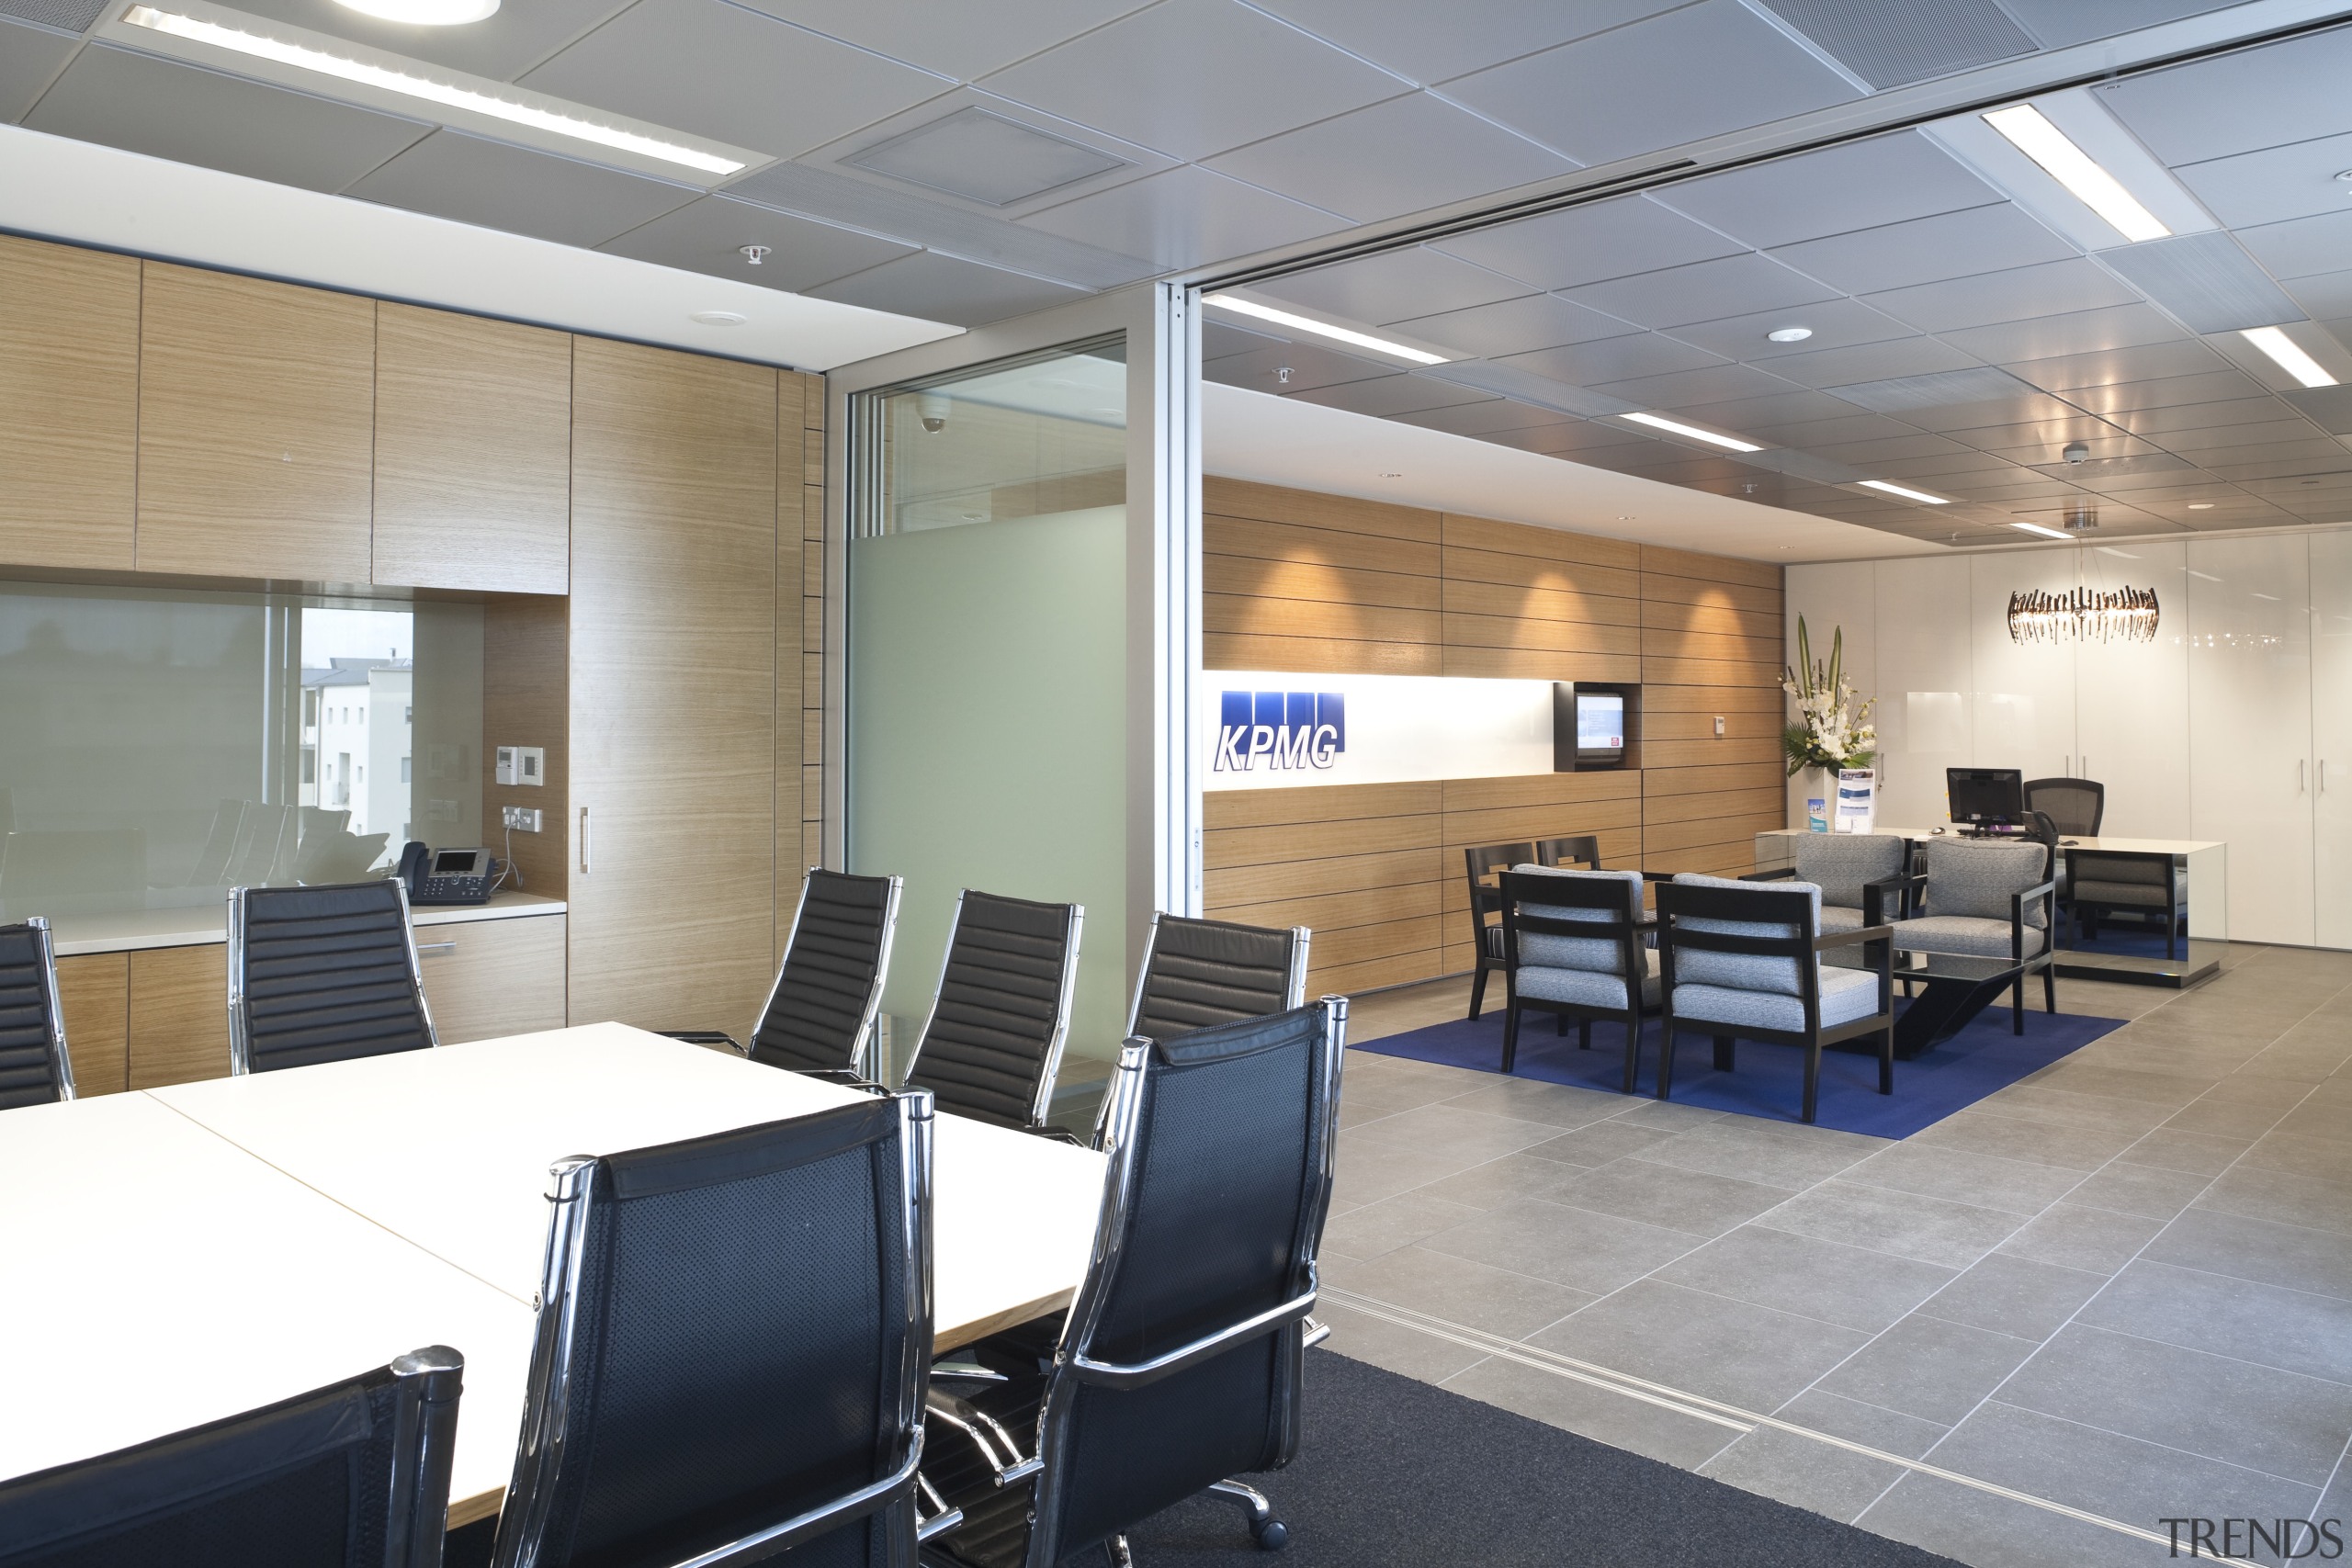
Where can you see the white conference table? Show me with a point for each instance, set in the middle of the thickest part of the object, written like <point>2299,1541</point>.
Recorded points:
<point>186,1253</point>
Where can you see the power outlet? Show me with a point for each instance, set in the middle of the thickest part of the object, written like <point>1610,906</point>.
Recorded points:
<point>522,818</point>
<point>1719,727</point>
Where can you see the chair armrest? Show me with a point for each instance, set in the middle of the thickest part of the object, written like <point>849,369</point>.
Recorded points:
<point>706,1037</point>
<point>1779,875</point>
<point>1852,938</point>
<point>987,1435</point>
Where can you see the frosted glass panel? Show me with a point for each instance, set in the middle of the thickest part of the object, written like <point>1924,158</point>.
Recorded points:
<point>157,748</point>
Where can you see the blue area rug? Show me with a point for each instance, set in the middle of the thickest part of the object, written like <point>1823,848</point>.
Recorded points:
<point>1770,1079</point>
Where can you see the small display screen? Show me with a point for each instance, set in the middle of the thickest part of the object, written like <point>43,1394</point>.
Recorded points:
<point>455,862</point>
<point>1601,721</point>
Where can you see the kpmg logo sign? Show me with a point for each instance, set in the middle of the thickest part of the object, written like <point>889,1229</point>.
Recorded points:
<point>1288,730</point>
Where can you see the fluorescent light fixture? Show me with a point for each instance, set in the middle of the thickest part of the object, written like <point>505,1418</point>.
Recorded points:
<point>2030,131</point>
<point>2045,533</point>
<point>2111,551</point>
<point>424,13</point>
<point>1907,494</point>
<point>1240,306</point>
<point>2205,576</point>
<point>448,96</point>
<point>1659,421</point>
<point>2288,355</point>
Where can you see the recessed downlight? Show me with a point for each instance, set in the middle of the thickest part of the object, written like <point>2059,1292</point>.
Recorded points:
<point>1789,334</point>
<point>424,13</point>
<point>719,318</point>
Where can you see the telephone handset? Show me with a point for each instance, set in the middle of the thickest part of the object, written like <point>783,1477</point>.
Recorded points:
<point>446,876</point>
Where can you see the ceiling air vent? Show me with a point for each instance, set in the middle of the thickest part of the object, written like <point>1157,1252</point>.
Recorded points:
<point>984,157</point>
<point>74,16</point>
<point>2205,280</point>
<point>1888,43</point>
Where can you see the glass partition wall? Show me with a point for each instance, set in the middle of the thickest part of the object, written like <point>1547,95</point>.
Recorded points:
<point>987,658</point>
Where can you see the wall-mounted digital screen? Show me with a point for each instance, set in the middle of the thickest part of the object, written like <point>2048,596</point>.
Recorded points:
<point>1600,723</point>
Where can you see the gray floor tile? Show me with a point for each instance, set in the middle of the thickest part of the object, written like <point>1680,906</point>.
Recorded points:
<point>2313,1157</point>
<point>1803,1473</point>
<point>2195,1152</point>
<point>2301,1063</point>
<point>2017,1296</point>
<point>1873,1425</point>
<point>1404,1351</point>
<point>1511,1180</point>
<point>2069,1148</point>
<point>1458,1289</point>
<point>1690,1201</point>
<point>2244,1091</point>
<point>2125,1083</point>
<point>1600,1143</point>
<point>1748,1355</point>
<point>2032,1101</point>
<point>2098,1240</point>
<point>2319,1118</point>
<point>2139,1189</point>
<point>1612,1418</point>
<point>2294,1330</point>
<point>1988,1531</point>
<point>2260,1250</point>
<point>1766,1152</point>
<point>1845,1285</point>
<point>1928,1367</point>
<point>2018,1186</point>
<point>1933,1230</point>
<point>2221,1119</point>
<point>1576,1247</point>
<point>2284,1199</point>
<point>1449,1128</point>
<point>1526,1100</point>
<point>1392,1223</point>
<point>1369,1172</point>
<point>1667,1113</point>
<point>2219,1406</point>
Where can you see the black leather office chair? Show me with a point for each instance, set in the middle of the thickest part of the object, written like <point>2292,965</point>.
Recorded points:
<point>1178,1365</point>
<point>1197,974</point>
<point>34,1067</point>
<point>322,975</point>
<point>819,1018</point>
<point>992,1045</point>
<point>1482,862</point>
<point>2075,806</point>
<point>351,1475</point>
<point>731,1361</point>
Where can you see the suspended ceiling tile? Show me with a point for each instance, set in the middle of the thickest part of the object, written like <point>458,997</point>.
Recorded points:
<point>29,57</point>
<point>1889,46</point>
<point>2168,392</point>
<point>1704,291</point>
<point>934,288</point>
<point>2226,436</point>
<point>1703,384</point>
<point>1912,446</point>
<point>1220,338</point>
<point>1262,369</point>
<point>1403,155</point>
<point>1804,435</point>
<point>1834,323</point>
<point>2113,365</point>
<point>2050,288</point>
<point>2236,103</point>
<point>2079,331</point>
<point>1485,418</point>
<point>1871,361</point>
<point>1611,359</point>
<point>1514,326</point>
<point>1948,465</point>
<point>1783,407</point>
<point>2059,22</point>
<point>1195,77</point>
<point>2275,184</point>
<point>1960,420</point>
<point>718,70</point>
<point>494,186</point>
<point>1431,43</point>
<point>193,115</point>
<point>1611,238</point>
<point>2326,295</point>
<point>1697,71</point>
<point>1385,395</point>
<point>1858,185</point>
<point>2280,459</point>
<point>513,38</point>
<point>1927,250</point>
<point>962,41</point>
<point>706,236</point>
<point>1395,286</point>
<point>1185,217</point>
<point>2304,245</point>
<point>2051,433</point>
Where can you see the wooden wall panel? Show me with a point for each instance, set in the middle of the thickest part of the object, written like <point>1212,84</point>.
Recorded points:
<point>179,1015</point>
<point>69,406</point>
<point>525,656</point>
<point>1313,583</point>
<point>94,989</point>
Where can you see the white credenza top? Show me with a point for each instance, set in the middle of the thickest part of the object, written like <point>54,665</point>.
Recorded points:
<point>2121,846</point>
<point>194,925</point>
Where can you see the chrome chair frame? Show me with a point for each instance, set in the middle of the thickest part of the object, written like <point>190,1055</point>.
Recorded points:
<point>61,1059</point>
<point>1294,980</point>
<point>861,1063</point>
<point>1042,1101</point>
<point>240,1025</point>
<point>538,1459</point>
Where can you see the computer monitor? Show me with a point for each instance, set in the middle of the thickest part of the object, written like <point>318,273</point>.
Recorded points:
<point>1600,727</point>
<point>1985,798</point>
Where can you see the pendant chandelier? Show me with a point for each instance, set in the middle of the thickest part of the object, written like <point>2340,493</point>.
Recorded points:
<point>2084,615</point>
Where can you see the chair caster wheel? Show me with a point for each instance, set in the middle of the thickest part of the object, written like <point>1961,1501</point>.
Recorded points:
<point>1273,1536</point>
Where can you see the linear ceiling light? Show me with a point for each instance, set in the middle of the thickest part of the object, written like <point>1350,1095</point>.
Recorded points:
<point>2288,355</point>
<point>2045,533</point>
<point>1659,421</point>
<point>1907,494</point>
<point>2030,131</point>
<point>1234,303</point>
<point>412,87</point>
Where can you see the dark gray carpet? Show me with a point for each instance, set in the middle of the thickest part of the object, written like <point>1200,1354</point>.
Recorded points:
<point>1392,1472</point>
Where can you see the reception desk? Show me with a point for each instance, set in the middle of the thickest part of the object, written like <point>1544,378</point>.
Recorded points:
<point>2201,864</point>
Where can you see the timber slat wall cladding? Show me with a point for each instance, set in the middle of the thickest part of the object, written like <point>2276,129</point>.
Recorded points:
<point>1295,580</point>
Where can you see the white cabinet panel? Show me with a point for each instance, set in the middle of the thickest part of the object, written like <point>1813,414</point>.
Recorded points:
<point>2332,735</point>
<point>2250,727</point>
<point>1925,688</point>
<point>2025,691</point>
<point>2131,698</point>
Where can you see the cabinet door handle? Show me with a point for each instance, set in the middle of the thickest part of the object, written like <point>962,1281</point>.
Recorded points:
<point>584,840</point>
<point>2322,776</point>
<point>425,947</point>
<point>2302,776</point>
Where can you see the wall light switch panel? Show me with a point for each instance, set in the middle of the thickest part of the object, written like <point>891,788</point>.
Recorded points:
<point>522,818</point>
<point>1719,727</point>
<point>522,765</point>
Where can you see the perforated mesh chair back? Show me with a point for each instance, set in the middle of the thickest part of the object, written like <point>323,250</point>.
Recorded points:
<point>1197,974</point>
<point>1575,849</point>
<point>34,1067</point>
<point>321,975</point>
<point>1220,1175</point>
<point>2074,805</point>
<point>737,1335</point>
<point>820,1013</point>
<point>993,1044</point>
<point>353,1475</point>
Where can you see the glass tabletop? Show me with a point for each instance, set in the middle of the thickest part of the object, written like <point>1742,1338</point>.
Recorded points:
<point>1920,966</point>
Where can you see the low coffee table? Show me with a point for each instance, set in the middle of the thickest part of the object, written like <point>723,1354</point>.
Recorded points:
<point>1952,991</point>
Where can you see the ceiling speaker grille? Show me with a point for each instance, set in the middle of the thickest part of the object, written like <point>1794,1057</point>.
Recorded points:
<point>74,16</point>
<point>2205,280</point>
<point>1888,43</point>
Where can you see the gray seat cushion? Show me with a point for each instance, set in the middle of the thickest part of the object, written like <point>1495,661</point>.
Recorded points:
<point>1600,955</point>
<point>1971,936</point>
<point>1833,919</point>
<point>1967,877</point>
<point>1845,995</point>
<point>1585,987</point>
<point>1742,971</point>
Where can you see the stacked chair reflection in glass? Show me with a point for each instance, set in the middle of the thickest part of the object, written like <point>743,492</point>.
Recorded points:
<point>1571,939</point>
<point>322,975</point>
<point>1742,962</point>
<point>1987,900</point>
<point>731,1359</point>
<point>1485,862</point>
<point>2097,884</point>
<point>1863,882</point>
<point>819,1018</point>
<point>34,1067</point>
<point>992,1045</point>
<point>351,1475</point>
<point>1179,1364</point>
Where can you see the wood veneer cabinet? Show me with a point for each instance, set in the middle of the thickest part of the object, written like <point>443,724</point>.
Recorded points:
<point>256,428</point>
<point>69,406</point>
<point>179,1015</point>
<point>674,689</point>
<point>487,979</point>
<point>473,453</point>
<point>94,991</point>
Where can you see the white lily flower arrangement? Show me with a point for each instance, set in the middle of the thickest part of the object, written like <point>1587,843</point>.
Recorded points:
<point>1829,731</point>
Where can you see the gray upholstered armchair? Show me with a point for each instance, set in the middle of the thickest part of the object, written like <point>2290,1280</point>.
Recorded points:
<point>1863,882</point>
<point>1980,899</point>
